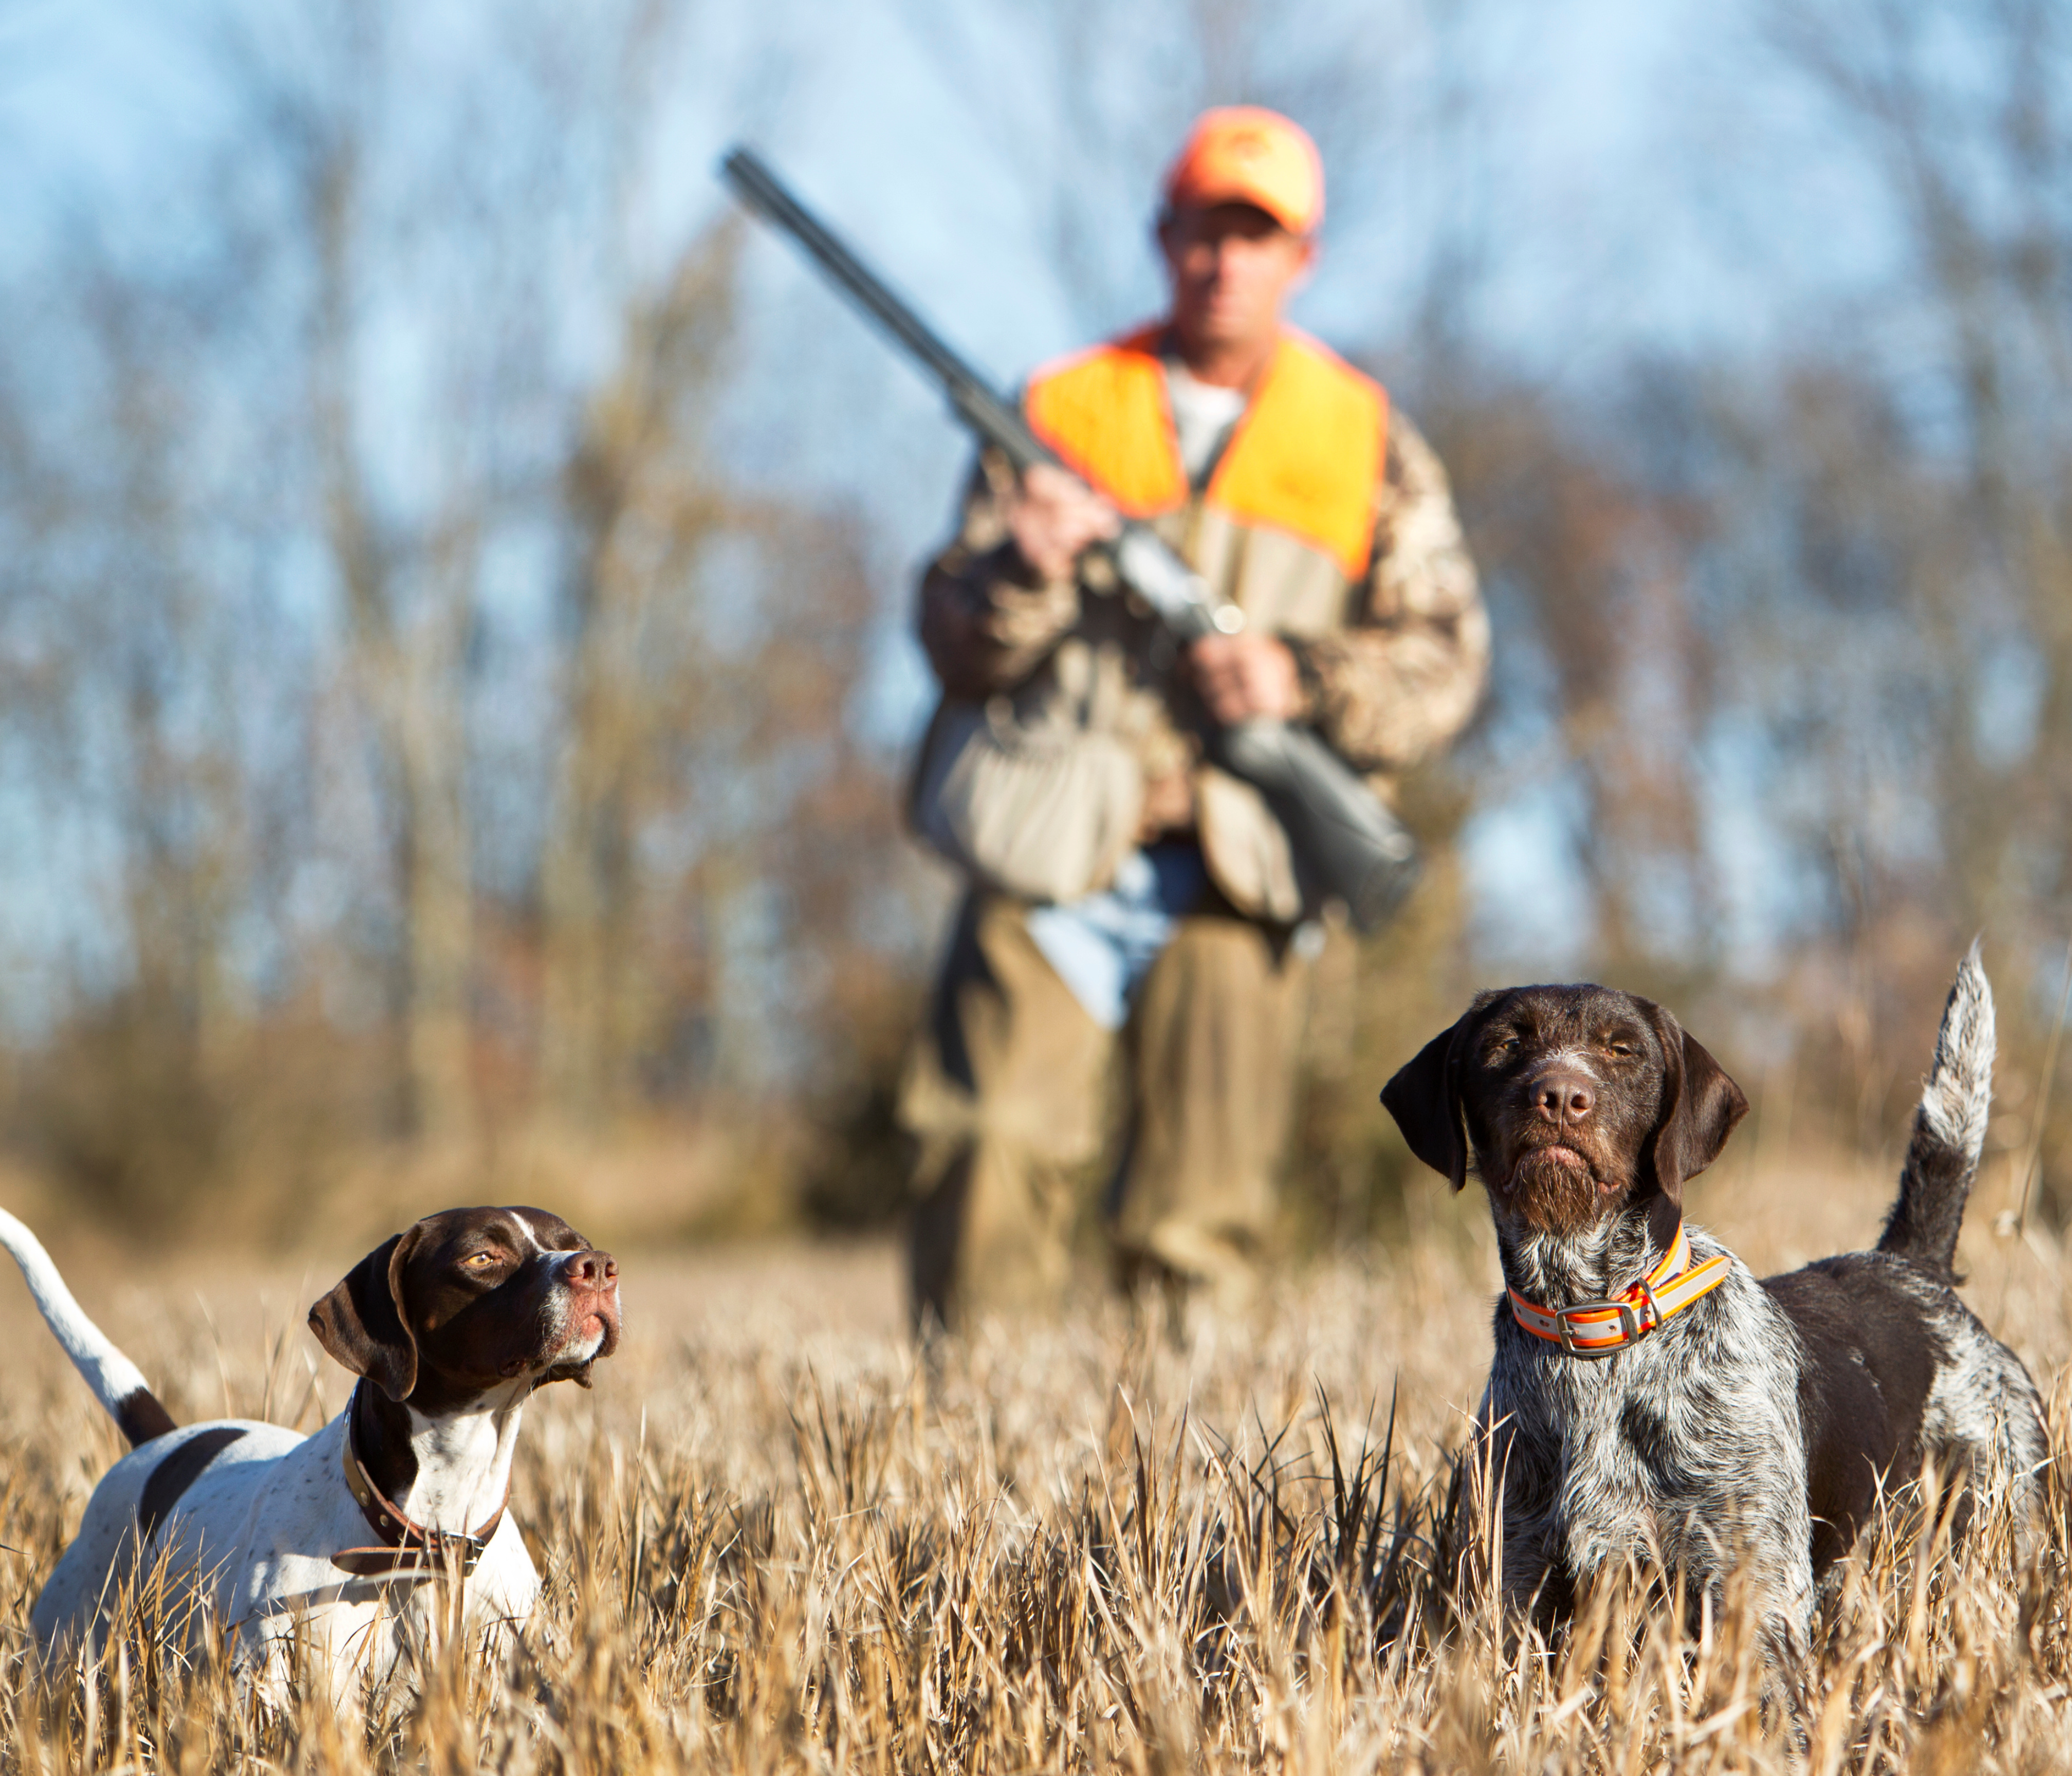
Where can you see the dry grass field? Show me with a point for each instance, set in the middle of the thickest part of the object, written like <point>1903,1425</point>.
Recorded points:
<point>772,1540</point>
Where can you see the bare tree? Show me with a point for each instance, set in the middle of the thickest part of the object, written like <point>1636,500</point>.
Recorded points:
<point>1975,152</point>
<point>643,507</point>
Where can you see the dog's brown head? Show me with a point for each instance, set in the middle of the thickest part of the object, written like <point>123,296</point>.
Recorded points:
<point>1574,1101</point>
<point>470,1299</point>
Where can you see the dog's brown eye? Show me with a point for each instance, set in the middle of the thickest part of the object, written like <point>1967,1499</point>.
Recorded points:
<point>476,1260</point>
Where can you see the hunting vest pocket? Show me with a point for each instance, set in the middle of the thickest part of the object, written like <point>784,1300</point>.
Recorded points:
<point>1036,807</point>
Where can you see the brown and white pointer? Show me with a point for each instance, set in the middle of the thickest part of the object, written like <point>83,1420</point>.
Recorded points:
<point>339,1539</point>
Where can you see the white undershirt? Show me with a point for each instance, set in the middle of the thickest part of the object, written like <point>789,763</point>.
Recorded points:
<point>1202,417</point>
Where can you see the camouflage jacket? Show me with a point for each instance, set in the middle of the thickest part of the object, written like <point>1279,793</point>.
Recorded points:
<point>1392,666</point>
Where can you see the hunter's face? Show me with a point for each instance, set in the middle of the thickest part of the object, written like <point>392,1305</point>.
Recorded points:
<point>1232,268</point>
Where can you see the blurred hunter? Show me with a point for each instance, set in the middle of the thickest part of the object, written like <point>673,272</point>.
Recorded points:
<point>1138,929</point>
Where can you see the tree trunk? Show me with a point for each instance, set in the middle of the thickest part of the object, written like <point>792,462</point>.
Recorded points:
<point>407,677</point>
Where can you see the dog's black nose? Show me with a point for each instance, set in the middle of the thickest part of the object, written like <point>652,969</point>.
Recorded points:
<point>1563,1097</point>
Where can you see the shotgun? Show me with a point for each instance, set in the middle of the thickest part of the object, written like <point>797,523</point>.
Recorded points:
<point>1348,845</point>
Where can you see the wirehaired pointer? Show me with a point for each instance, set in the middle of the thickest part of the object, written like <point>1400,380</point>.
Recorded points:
<point>1648,1398</point>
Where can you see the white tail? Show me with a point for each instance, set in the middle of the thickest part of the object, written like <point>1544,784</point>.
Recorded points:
<point>1959,1094</point>
<point>117,1382</point>
<point>1949,1128</point>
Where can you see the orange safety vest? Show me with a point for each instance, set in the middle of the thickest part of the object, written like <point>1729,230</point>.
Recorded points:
<point>1306,458</point>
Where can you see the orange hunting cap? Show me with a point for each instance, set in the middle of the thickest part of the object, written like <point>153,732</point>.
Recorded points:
<point>1244,153</point>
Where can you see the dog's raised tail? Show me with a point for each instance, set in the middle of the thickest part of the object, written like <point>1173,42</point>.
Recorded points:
<point>117,1382</point>
<point>1949,1129</point>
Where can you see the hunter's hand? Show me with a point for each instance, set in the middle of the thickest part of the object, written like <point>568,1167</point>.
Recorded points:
<point>1054,517</point>
<point>1245,676</point>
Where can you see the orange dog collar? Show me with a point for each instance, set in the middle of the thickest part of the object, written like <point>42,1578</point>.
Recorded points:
<point>1602,1329</point>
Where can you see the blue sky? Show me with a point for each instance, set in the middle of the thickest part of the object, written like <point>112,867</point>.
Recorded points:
<point>1645,179</point>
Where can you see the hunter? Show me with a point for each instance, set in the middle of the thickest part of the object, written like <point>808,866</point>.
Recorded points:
<point>1140,937</point>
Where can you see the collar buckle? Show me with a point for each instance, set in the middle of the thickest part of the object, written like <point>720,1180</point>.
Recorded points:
<point>1630,1328</point>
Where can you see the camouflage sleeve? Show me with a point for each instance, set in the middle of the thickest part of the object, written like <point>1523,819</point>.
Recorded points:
<point>987,620</point>
<point>1404,675</point>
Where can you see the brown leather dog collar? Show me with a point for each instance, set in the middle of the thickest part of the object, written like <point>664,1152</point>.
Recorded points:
<point>405,1545</point>
<point>1602,1329</point>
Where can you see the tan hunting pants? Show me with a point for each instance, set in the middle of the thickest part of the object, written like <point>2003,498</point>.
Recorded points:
<point>1011,1089</point>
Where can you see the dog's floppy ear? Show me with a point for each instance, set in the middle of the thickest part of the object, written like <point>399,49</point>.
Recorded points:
<point>364,1323</point>
<point>1700,1106</point>
<point>1425,1097</point>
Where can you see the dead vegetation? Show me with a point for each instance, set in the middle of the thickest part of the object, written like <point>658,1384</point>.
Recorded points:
<point>773,1538</point>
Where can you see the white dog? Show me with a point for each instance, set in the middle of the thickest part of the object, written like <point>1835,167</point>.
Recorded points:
<point>342,1540</point>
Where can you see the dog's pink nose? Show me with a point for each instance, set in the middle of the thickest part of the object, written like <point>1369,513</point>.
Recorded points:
<point>1563,1097</point>
<point>590,1269</point>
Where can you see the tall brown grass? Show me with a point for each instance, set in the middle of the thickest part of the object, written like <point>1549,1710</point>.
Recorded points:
<point>775,1538</point>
